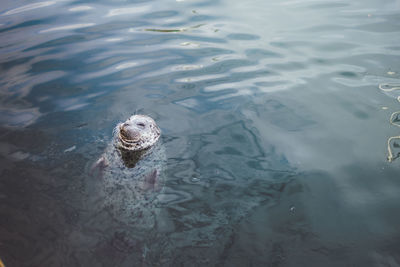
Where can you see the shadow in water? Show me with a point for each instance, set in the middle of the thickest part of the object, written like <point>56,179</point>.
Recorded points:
<point>321,220</point>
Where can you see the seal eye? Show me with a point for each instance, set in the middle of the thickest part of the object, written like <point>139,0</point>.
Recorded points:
<point>141,124</point>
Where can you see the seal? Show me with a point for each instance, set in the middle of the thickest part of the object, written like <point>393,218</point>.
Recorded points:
<point>130,172</point>
<point>122,196</point>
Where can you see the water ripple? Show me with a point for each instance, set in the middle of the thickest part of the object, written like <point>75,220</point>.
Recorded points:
<point>252,98</point>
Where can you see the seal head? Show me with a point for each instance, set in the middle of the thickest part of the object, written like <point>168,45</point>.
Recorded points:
<point>135,137</point>
<point>137,133</point>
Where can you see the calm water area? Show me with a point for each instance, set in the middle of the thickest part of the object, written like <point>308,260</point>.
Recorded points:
<point>276,120</point>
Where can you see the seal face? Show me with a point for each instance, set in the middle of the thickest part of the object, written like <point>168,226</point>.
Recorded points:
<point>137,133</point>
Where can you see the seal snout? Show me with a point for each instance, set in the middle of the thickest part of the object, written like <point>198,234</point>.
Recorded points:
<point>129,132</point>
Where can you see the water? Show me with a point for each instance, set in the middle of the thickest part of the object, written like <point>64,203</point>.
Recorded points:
<point>274,128</point>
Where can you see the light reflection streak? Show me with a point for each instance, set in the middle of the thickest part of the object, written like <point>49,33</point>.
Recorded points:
<point>109,70</point>
<point>80,8</point>
<point>202,78</point>
<point>68,27</point>
<point>18,117</point>
<point>127,11</point>
<point>113,40</point>
<point>28,7</point>
<point>125,65</point>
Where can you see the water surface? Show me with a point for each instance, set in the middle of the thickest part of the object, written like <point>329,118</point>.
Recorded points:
<point>274,129</point>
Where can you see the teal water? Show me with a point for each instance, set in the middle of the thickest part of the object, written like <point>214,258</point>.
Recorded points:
<point>274,128</point>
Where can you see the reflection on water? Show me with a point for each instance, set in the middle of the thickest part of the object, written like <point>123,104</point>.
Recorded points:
<point>392,145</point>
<point>273,132</point>
<point>28,7</point>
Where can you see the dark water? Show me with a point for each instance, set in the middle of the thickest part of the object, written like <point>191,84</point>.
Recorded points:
<point>274,129</point>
